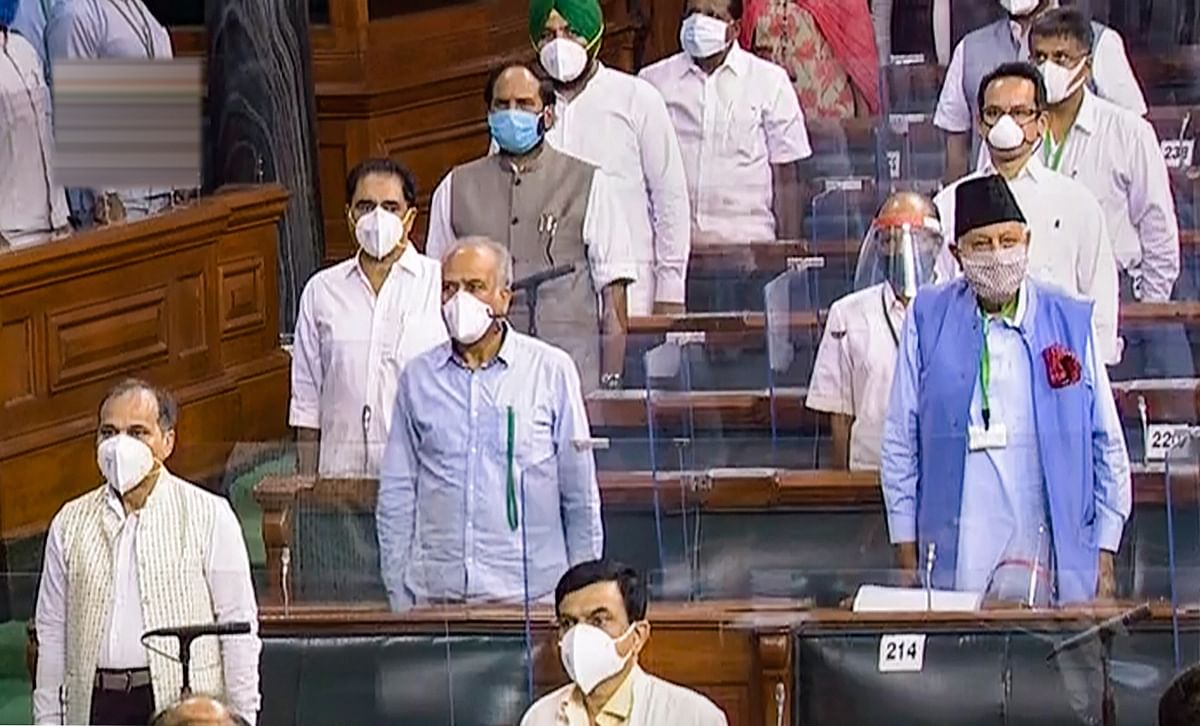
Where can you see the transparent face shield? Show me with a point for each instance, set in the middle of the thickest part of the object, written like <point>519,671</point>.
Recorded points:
<point>900,250</point>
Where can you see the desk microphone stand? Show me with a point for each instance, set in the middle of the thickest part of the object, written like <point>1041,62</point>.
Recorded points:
<point>530,284</point>
<point>1104,632</point>
<point>185,635</point>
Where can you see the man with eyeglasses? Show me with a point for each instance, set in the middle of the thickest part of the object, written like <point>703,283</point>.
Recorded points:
<point>1069,243</point>
<point>1007,40</point>
<point>1115,154</point>
<point>360,322</point>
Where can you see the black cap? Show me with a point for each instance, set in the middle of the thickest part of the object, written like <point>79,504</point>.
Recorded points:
<point>984,201</point>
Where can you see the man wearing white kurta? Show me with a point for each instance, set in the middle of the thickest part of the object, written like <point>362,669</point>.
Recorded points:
<point>740,129</point>
<point>1069,241</point>
<point>360,322</point>
<point>145,550</point>
<point>1007,40</point>
<point>619,123</point>
<point>32,205</point>
<point>109,29</point>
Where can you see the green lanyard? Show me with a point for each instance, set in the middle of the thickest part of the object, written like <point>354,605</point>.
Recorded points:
<point>1052,157</point>
<point>985,360</point>
<point>985,374</point>
<point>511,489</point>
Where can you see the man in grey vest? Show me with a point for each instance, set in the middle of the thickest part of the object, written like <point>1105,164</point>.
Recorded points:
<point>1006,41</point>
<point>556,215</point>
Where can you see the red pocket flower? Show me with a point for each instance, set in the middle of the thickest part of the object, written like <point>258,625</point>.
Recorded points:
<point>1062,366</point>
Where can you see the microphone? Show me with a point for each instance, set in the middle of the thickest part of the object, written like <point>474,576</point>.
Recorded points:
<point>930,556</point>
<point>1145,419</point>
<point>189,632</point>
<point>186,634</point>
<point>531,282</point>
<point>1103,629</point>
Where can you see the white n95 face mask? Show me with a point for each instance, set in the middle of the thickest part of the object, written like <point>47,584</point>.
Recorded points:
<point>467,317</point>
<point>1006,135</point>
<point>124,461</point>
<point>1019,8</point>
<point>702,36</point>
<point>590,656</point>
<point>378,232</point>
<point>1061,82</point>
<point>563,59</point>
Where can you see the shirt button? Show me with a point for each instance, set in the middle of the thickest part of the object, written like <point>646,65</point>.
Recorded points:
<point>517,182</point>
<point>515,220</point>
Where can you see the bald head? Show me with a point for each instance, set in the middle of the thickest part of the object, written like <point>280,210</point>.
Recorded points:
<point>480,267</point>
<point>908,204</point>
<point>198,711</point>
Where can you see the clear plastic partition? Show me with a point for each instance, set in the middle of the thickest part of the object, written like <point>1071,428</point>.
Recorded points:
<point>792,336</point>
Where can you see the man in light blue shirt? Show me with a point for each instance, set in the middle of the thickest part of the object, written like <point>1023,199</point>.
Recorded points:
<point>488,486</point>
<point>1004,467</point>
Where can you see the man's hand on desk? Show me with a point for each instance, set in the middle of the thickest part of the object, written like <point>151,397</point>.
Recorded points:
<point>665,308</point>
<point>1106,585</point>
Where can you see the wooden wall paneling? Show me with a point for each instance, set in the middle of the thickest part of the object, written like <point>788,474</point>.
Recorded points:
<point>773,665</point>
<point>136,299</point>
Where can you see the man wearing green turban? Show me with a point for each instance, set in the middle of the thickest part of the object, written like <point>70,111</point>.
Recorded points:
<point>584,17</point>
<point>619,123</point>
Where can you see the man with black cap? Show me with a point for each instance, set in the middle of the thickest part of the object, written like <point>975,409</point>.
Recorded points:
<point>1004,467</point>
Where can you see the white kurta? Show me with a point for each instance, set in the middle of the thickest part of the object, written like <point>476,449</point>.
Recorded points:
<point>350,347</point>
<point>733,125</point>
<point>620,123</point>
<point>31,204</point>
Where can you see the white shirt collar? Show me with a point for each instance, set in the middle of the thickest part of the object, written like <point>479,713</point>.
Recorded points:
<point>406,262</point>
<point>1033,169</point>
<point>1086,119</point>
<point>736,60</point>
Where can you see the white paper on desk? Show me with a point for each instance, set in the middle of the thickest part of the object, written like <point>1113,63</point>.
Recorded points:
<point>879,599</point>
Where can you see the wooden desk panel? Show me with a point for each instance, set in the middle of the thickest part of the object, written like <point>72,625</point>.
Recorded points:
<point>186,299</point>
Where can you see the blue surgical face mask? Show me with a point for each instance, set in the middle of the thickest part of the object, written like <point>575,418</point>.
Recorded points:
<point>8,11</point>
<point>514,130</point>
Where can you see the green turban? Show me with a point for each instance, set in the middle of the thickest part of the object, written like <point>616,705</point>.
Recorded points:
<point>584,16</point>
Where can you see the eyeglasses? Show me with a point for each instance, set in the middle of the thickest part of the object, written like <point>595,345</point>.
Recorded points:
<point>1021,114</point>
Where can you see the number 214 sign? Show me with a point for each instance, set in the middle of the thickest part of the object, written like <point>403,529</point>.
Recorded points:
<point>901,653</point>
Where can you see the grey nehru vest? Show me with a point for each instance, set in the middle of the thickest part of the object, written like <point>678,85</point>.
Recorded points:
<point>490,198</point>
<point>984,50</point>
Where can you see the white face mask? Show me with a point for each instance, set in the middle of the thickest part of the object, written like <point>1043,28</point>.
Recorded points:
<point>564,59</point>
<point>124,461</point>
<point>467,317</point>
<point>590,656</point>
<point>378,232</point>
<point>1061,82</point>
<point>1019,8</point>
<point>1006,135</point>
<point>702,36</point>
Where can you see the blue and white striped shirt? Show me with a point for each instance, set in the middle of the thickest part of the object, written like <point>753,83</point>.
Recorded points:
<point>441,515</point>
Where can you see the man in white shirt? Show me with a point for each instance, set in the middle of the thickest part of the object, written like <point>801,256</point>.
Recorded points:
<point>1007,40</point>
<point>852,374</point>
<point>109,29</point>
<point>619,123</point>
<point>360,322</point>
<point>119,562</point>
<point>1069,241</point>
<point>600,606</point>
<point>32,206</point>
<point>740,129</point>
<point>556,214</point>
<point>1116,155</point>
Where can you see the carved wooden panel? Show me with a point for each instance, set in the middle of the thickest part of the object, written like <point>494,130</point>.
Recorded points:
<point>19,356</point>
<point>105,339</point>
<point>242,299</point>
<point>189,324</point>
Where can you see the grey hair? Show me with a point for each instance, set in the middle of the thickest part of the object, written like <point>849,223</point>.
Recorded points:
<point>504,271</point>
<point>168,409</point>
